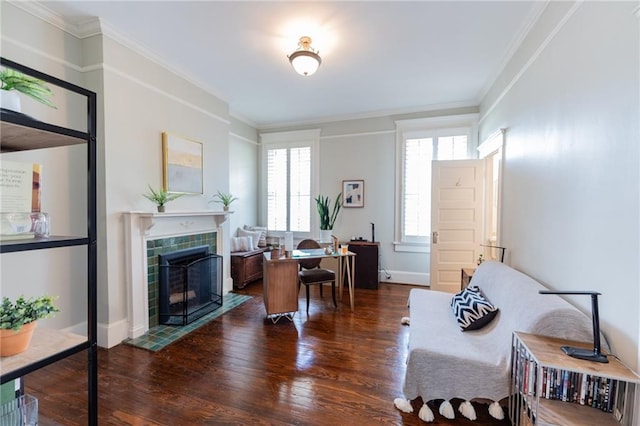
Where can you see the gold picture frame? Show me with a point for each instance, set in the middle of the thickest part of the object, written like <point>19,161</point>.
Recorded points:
<point>182,164</point>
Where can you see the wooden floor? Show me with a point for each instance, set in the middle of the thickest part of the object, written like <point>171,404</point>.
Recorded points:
<point>333,367</point>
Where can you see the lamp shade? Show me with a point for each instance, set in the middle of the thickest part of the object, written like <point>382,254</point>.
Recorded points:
<point>288,241</point>
<point>305,60</point>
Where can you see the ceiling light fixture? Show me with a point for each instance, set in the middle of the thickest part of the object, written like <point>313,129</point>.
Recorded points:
<point>305,60</point>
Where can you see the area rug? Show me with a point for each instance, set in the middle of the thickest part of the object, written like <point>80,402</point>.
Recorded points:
<point>160,336</point>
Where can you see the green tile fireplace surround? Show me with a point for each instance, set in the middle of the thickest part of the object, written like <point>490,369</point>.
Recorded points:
<point>168,245</point>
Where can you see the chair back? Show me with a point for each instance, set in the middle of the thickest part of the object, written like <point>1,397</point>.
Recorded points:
<point>309,263</point>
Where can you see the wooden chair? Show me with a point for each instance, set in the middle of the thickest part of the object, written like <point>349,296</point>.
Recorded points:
<point>311,273</point>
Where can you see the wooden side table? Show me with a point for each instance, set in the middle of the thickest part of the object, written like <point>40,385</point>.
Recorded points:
<point>280,286</point>
<point>549,387</point>
<point>466,275</point>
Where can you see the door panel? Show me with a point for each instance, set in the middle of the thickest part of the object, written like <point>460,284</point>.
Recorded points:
<point>456,220</point>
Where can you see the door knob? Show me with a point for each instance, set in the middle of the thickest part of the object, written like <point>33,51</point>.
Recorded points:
<point>434,237</point>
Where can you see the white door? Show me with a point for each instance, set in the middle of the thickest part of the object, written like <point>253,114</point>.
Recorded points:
<point>457,196</point>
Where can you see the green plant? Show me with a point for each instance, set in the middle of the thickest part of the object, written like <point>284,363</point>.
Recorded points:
<point>24,311</point>
<point>225,199</point>
<point>324,207</point>
<point>160,196</point>
<point>35,88</point>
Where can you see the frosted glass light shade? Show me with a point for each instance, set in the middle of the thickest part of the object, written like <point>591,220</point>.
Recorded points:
<point>305,62</point>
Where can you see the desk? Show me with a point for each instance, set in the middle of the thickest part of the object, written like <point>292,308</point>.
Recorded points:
<point>280,278</point>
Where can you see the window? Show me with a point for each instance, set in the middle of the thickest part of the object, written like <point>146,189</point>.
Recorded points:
<point>418,145</point>
<point>288,164</point>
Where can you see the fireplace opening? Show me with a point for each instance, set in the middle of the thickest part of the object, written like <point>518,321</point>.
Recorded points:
<point>190,285</point>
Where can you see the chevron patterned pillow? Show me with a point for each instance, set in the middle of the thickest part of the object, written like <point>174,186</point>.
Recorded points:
<point>471,309</point>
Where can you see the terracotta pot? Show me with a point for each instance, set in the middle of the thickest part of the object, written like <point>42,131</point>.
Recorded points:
<point>14,342</point>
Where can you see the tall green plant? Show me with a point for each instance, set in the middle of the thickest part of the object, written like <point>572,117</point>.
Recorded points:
<point>324,207</point>
<point>35,88</point>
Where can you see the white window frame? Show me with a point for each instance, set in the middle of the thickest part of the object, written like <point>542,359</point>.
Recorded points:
<point>293,139</point>
<point>426,128</point>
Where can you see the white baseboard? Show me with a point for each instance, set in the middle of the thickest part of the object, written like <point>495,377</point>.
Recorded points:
<point>110,335</point>
<point>403,277</point>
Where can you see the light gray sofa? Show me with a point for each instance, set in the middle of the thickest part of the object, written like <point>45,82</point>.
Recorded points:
<point>445,363</point>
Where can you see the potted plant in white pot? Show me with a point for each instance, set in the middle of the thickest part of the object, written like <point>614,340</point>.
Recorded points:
<point>160,197</point>
<point>13,82</point>
<point>224,199</point>
<point>327,215</point>
<point>18,321</point>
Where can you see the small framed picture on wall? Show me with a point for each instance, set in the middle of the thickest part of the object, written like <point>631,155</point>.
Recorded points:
<point>353,193</point>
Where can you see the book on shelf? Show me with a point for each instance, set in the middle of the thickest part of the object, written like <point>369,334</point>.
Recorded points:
<point>580,388</point>
<point>20,184</point>
<point>20,196</point>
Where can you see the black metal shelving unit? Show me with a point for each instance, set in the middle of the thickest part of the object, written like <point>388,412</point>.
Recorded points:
<point>20,132</point>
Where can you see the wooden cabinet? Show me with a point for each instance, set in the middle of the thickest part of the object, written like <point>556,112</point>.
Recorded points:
<point>246,267</point>
<point>280,286</point>
<point>23,133</point>
<point>550,387</point>
<point>366,270</point>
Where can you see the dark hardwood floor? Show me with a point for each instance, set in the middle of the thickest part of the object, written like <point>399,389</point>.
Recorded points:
<point>333,367</point>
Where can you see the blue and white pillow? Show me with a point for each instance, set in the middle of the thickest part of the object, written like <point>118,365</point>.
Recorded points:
<point>471,309</point>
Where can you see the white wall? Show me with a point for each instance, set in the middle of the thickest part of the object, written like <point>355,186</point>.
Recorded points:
<point>138,99</point>
<point>61,273</point>
<point>570,102</point>
<point>243,175</point>
<point>365,149</point>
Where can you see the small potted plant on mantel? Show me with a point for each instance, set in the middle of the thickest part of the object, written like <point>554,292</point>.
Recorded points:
<point>224,199</point>
<point>160,197</point>
<point>13,82</point>
<point>18,321</point>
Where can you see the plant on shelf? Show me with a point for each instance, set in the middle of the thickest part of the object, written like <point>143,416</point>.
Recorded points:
<point>12,80</point>
<point>224,199</point>
<point>160,197</point>
<point>327,216</point>
<point>18,321</point>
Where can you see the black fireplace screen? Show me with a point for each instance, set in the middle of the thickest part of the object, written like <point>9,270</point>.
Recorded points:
<point>190,285</point>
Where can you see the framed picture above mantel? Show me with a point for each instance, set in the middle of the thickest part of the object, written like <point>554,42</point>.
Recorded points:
<point>353,193</point>
<point>182,164</point>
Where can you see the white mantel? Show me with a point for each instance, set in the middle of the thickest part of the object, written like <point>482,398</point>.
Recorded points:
<point>141,227</point>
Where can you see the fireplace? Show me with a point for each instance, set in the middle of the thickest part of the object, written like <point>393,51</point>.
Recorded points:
<point>149,234</point>
<point>190,285</point>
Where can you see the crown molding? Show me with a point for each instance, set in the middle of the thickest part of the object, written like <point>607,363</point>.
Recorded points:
<point>371,114</point>
<point>81,29</point>
<point>514,45</point>
<point>532,59</point>
<point>95,26</point>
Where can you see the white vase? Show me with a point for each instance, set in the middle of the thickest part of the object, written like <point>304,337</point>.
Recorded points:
<point>325,235</point>
<point>10,99</point>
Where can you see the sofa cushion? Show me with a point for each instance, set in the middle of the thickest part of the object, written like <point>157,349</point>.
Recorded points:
<point>255,237</point>
<point>262,242</point>
<point>471,309</point>
<point>241,244</point>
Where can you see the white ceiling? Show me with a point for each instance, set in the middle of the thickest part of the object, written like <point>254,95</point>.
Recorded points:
<point>377,57</point>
